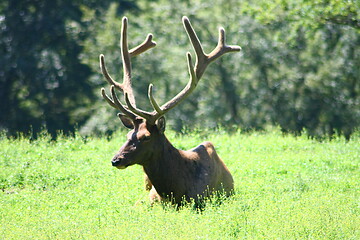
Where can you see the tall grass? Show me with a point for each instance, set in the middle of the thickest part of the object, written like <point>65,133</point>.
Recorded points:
<point>286,188</point>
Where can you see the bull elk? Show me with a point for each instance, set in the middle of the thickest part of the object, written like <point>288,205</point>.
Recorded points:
<point>171,174</point>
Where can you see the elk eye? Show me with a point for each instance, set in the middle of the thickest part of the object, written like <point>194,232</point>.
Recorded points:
<point>146,138</point>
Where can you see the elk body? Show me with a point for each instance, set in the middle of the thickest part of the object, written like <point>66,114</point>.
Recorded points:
<point>171,174</point>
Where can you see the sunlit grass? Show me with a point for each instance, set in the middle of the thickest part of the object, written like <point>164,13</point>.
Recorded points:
<point>286,187</point>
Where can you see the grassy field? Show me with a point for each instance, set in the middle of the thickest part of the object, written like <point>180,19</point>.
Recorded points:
<point>286,188</point>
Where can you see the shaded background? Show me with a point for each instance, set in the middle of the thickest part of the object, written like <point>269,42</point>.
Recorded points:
<point>299,67</point>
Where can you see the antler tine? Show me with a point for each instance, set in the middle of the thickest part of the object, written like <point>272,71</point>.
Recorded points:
<point>153,102</point>
<point>150,117</point>
<point>107,75</point>
<point>115,103</point>
<point>201,56</point>
<point>147,44</point>
<point>119,105</point>
<point>221,47</point>
<point>125,56</point>
<point>107,98</point>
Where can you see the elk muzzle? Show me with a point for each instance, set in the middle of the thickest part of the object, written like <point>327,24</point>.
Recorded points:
<point>120,161</point>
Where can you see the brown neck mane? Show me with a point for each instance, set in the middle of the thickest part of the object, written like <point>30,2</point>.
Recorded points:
<point>163,166</point>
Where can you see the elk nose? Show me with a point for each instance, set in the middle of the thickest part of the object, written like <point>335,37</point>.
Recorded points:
<point>116,160</point>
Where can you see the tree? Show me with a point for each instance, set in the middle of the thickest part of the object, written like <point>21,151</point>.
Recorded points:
<point>318,85</point>
<point>43,83</point>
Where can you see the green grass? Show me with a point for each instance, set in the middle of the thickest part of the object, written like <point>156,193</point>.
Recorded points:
<point>286,188</point>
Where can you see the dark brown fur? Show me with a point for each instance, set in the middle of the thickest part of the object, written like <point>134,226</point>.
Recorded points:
<point>173,174</point>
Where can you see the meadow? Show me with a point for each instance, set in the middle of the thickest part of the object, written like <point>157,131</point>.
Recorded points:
<point>286,188</point>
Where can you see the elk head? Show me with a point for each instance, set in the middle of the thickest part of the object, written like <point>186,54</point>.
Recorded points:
<point>147,128</point>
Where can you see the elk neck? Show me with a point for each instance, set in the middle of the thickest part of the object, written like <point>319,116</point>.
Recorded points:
<point>161,169</point>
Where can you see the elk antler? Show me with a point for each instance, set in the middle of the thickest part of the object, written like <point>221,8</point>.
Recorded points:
<point>202,61</point>
<point>126,55</point>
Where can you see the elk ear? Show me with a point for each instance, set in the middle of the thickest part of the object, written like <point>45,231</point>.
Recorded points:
<point>160,124</point>
<point>126,121</point>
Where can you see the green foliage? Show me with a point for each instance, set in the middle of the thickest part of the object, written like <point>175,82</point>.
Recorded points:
<point>315,81</point>
<point>286,187</point>
<point>43,83</point>
<point>311,14</point>
<point>290,73</point>
<point>298,68</point>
